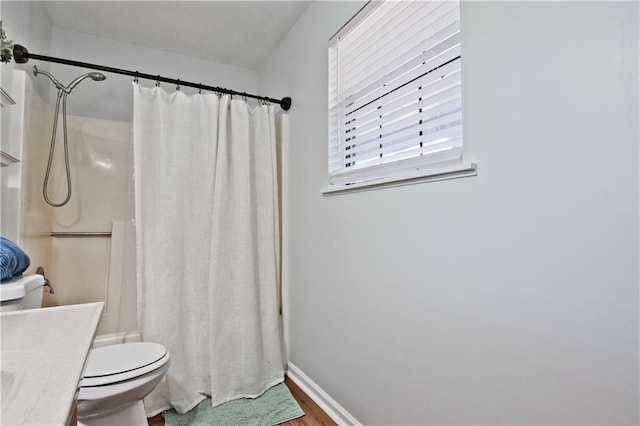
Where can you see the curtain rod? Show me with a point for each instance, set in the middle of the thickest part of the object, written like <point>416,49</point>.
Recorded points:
<point>22,56</point>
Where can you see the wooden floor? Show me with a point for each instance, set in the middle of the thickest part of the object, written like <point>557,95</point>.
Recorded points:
<point>314,416</point>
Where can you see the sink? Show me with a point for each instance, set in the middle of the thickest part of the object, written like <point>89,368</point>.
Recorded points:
<point>22,386</point>
<point>42,356</point>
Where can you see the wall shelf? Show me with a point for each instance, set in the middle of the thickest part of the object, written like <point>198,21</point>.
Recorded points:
<point>5,98</point>
<point>7,160</point>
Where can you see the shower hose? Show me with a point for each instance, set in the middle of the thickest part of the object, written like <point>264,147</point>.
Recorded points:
<point>61,95</point>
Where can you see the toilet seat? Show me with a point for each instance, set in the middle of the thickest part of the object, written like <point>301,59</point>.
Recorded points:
<point>118,363</point>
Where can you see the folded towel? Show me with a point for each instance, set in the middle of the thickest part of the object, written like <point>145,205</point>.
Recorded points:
<point>13,261</point>
<point>8,263</point>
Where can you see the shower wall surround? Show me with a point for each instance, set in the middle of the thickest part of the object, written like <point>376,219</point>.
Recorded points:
<point>24,218</point>
<point>90,269</point>
<point>37,216</point>
<point>81,269</point>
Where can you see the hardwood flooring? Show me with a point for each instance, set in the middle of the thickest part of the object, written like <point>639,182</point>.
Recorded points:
<point>157,420</point>
<point>314,416</point>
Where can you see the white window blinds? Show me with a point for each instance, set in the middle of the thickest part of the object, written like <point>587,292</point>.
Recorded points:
<point>395,103</point>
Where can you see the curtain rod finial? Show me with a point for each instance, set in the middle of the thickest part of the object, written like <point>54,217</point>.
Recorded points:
<point>20,54</point>
<point>285,103</point>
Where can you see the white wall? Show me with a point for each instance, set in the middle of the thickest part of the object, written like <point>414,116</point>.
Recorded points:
<point>112,98</point>
<point>506,298</point>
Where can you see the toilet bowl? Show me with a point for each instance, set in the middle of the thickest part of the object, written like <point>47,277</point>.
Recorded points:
<point>115,381</point>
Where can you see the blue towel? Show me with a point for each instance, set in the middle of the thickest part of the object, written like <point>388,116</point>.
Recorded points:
<point>13,261</point>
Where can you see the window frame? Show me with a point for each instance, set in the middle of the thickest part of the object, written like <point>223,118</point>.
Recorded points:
<point>403,172</point>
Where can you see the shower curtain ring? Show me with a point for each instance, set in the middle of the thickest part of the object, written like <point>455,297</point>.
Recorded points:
<point>135,78</point>
<point>178,86</point>
<point>200,89</point>
<point>158,81</point>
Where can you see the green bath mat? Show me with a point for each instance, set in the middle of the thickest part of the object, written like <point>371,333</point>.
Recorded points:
<point>274,406</point>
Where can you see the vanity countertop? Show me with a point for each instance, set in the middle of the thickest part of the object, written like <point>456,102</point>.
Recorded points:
<point>42,358</point>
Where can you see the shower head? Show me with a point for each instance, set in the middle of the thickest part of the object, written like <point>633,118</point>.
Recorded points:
<point>36,71</point>
<point>95,76</point>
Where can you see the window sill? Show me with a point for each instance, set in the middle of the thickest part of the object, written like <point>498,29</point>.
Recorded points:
<point>444,173</point>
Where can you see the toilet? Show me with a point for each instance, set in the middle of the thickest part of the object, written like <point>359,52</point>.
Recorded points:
<point>115,381</point>
<point>116,377</point>
<point>24,292</point>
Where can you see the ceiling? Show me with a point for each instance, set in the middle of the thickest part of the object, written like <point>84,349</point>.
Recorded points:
<point>240,33</point>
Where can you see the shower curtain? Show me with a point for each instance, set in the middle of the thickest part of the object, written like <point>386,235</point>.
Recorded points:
<point>207,227</point>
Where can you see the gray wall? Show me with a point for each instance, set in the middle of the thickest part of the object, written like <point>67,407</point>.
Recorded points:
<point>112,98</point>
<point>27,24</point>
<point>506,298</point>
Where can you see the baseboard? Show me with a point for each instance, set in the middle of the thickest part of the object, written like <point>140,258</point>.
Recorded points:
<point>320,397</point>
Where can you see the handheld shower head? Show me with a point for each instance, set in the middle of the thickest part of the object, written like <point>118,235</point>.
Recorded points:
<point>95,76</point>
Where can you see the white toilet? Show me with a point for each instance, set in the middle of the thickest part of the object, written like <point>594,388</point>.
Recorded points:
<point>116,377</point>
<point>24,292</point>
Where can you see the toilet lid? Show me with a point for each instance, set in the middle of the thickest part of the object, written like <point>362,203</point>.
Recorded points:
<point>18,287</point>
<point>117,359</point>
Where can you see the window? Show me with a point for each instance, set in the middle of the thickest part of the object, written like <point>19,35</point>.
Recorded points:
<point>395,103</point>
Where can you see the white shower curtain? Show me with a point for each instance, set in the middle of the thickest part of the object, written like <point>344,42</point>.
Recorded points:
<point>207,232</point>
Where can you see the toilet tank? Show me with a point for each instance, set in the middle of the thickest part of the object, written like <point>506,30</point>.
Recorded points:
<point>24,292</point>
